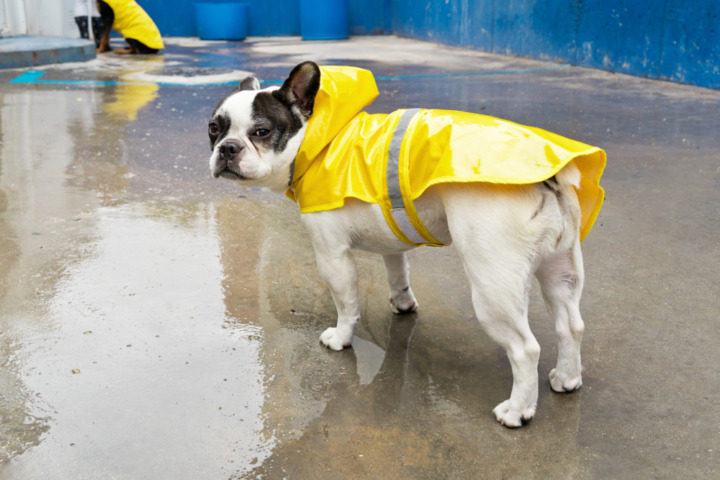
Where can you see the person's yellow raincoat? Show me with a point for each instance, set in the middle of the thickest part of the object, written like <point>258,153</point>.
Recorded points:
<point>391,159</point>
<point>133,22</point>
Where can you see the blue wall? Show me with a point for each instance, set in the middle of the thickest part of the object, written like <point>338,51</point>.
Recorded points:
<point>268,18</point>
<point>676,40</point>
<point>665,39</point>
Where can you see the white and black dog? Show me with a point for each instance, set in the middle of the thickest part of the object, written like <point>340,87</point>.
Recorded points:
<point>503,236</point>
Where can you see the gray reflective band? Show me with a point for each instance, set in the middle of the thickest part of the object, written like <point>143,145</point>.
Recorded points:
<point>399,208</point>
<point>393,173</point>
<point>403,222</point>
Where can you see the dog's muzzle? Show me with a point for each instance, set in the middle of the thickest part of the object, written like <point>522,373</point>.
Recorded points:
<point>229,149</point>
<point>227,163</point>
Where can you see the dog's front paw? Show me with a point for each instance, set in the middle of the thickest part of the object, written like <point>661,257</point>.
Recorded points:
<point>403,301</point>
<point>563,383</point>
<point>513,417</point>
<point>334,339</point>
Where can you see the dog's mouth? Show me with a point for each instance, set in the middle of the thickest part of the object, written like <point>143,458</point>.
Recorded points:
<point>222,169</point>
<point>230,175</point>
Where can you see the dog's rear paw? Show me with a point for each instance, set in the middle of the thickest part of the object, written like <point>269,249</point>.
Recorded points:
<point>513,418</point>
<point>564,384</point>
<point>403,301</point>
<point>334,339</point>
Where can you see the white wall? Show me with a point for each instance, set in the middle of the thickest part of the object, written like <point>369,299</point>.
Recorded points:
<point>12,18</point>
<point>53,18</point>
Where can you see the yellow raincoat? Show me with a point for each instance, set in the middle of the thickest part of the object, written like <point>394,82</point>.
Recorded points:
<point>132,22</point>
<point>391,159</point>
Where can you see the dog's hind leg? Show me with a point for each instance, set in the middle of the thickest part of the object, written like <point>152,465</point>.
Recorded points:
<point>498,262</point>
<point>500,302</point>
<point>561,279</point>
<point>402,299</point>
<point>500,280</point>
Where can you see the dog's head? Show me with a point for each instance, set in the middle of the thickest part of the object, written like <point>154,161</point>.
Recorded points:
<point>255,134</point>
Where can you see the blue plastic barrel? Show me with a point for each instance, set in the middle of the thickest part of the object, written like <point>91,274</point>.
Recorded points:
<point>323,19</point>
<point>222,20</point>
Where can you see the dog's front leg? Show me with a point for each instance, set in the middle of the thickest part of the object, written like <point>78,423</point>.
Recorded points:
<point>337,268</point>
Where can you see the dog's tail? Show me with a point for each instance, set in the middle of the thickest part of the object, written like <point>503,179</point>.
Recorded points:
<point>568,183</point>
<point>570,175</point>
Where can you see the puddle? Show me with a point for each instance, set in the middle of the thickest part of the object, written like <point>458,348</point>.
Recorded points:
<point>180,75</point>
<point>136,353</point>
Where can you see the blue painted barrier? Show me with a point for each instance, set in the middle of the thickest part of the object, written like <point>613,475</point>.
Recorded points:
<point>269,18</point>
<point>672,40</point>
<point>222,21</point>
<point>663,39</point>
<point>324,19</point>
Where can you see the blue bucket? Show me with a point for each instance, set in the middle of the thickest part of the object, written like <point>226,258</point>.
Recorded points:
<point>222,20</point>
<point>324,19</point>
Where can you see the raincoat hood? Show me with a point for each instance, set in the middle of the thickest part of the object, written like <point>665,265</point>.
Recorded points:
<point>391,159</point>
<point>343,93</point>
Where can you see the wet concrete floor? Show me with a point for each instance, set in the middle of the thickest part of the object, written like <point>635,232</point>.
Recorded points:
<point>156,323</point>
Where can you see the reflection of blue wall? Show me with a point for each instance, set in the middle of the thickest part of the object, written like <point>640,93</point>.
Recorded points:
<point>676,40</point>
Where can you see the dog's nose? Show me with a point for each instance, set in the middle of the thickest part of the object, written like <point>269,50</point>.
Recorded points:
<point>229,149</point>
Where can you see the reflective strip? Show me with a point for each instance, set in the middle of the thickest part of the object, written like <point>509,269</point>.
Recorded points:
<point>398,212</point>
<point>393,166</point>
<point>403,218</point>
<point>403,222</point>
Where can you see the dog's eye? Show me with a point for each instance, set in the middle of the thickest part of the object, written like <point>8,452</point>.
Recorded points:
<point>213,128</point>
<point>261,133</point>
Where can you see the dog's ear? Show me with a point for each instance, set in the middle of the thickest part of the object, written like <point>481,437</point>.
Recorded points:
<point>250,83</point>
<point>300,88</point>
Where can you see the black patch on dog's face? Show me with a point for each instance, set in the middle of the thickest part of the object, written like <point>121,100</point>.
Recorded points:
<point>273,123</point>
<point>276,115</point>
<point>220,124</point>
<point>272,116</point>
<point>218,128</point>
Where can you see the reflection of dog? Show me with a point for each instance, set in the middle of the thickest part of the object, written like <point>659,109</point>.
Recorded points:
<point>128,18</point>
<point>283,138</point>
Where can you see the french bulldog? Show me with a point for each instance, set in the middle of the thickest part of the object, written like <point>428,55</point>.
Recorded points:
<point>504,235</point>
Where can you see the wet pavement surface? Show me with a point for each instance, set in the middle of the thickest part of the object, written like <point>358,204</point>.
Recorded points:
<point>156,323</point>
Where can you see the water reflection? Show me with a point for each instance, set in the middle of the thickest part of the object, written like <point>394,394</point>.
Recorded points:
<point>129,99</point>
<point>34,160</point>
<point>132,357</point>
<point>114,343</point>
